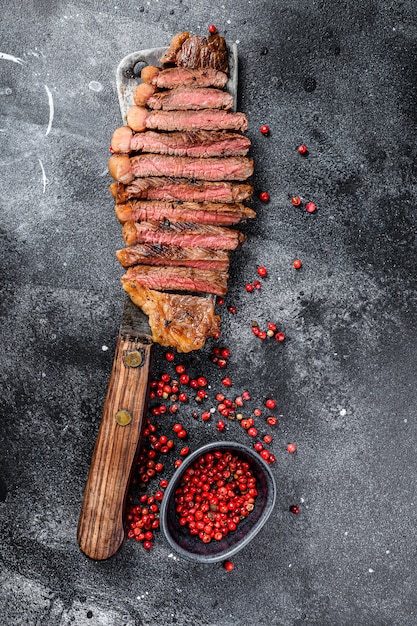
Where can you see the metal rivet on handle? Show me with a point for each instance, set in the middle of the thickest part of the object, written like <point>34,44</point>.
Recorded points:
<point>123,417</point>
<point>133,358</point>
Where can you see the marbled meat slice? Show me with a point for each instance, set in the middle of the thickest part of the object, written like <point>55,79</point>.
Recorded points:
<point>182,76</point>
<point>208,119</point>
<point>180,321</point>
<point>202,144</point>
<point>219,214</point>
<point>155,254</point>
<point>191,98</point>
<point>182,234</point>
<point>176,278</point>
<point>210,169</point>
<point>164,188</point>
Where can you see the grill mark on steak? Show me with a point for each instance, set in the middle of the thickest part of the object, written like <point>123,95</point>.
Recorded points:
<point>201,52</point>
<point>210,169</point>
<point>208,119</point>
<point>193,212</point>
<point>155,254</point>
<point>191,98</point>
<point>182,234</point>
<point>164,188</point>
<point>202,144</point>
<point>178,279</point>
<point>176,76</point>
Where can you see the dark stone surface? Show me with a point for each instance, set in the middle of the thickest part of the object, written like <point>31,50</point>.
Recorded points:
<point>337,76</point>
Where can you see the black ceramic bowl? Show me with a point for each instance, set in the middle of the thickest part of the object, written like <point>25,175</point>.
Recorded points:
<point>190,546</point>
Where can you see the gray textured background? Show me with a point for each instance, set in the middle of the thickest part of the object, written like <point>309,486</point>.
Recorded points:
<point>338,76</point>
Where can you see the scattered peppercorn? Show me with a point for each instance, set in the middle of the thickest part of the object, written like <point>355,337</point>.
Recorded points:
<point>262,271</point>
<point>229,566</point>
<point>291,447</point>
<point>212,29</point>
<point>264,196</point>
<point>303,150</point>
<point>270,403</point>
<point>297,264</point>
<point>310,207</point>
<point>264,129</point>
<point>294,509</point>
<point>296,201</point>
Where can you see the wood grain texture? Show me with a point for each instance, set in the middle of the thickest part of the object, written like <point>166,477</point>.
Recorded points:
<point>101,528</point>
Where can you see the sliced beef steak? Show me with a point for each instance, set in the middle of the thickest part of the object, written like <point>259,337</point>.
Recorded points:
<point>211,169</point>
<point>177,279</point>
<point>155,254</point>
<point>193,212</point>
<point>191,98</point>
<point>202,144</point>
<point>182,76</point>
<point>140,118</point>
<point>182,234</point>
<point>164,188</point>
<point>178,320</point>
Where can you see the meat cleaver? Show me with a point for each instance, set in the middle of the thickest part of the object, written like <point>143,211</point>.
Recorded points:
<point>101,526</point>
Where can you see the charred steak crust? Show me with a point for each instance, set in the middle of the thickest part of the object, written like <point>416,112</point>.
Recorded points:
<point>198,52</point>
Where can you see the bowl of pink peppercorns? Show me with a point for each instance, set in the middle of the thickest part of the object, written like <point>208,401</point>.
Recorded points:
<point>217,501</point>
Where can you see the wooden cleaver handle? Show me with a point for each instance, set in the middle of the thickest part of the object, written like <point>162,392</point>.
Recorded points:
<point>101,527</point>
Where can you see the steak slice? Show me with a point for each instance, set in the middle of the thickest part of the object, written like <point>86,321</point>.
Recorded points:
<point>178,279</point>
<point>181,76</point>
<point>182,234</point>
<point>124,170</point>
<point>177,320</point>
<point>190,98</point>
<point>200,144</point>
<point>193,212</point>
<point>163,188</point>
<point>208,119</point>
<point>155,254</point>
<point>200,52</point>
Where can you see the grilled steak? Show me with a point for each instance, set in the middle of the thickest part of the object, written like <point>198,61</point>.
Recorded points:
<point>155,254</point>
<point>199,213</point>
<point>211,169</point>
<point>200,144</point>
<point>181,321</point>
<point>190,98</point>
<point>163,188</point>
<point>200,52</point>
<point>182,234</point>
<point>174,47</point>
<point>178,279</point>
<point>181,76</point>
<point>140,119</point>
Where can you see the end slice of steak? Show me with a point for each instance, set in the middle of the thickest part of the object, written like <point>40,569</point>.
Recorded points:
<point>191,98</point>
<point>163,188</point>
<point>194,212</point>
<point>182,76</point>
<point>201,52</point>
<point>155,254</point>
<point>202,144</point>
<point>182,234</point>
<point>180,321</point>
<point>210,169</point>
<point>177,279</point>
<point>175,45</point>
